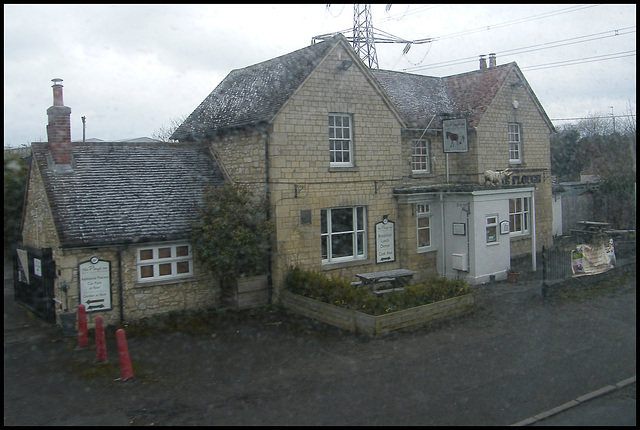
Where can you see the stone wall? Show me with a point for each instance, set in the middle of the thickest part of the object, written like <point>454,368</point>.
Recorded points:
<point>140,299</point>
<point>493,152</point>
<point>38,229</point>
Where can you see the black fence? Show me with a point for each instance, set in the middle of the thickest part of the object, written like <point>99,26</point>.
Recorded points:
<point>556,260</point>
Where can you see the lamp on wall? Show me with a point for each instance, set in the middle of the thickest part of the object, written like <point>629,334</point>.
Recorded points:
<point>345,65</point>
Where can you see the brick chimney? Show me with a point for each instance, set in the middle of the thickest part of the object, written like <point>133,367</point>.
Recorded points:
<point>59,127</point>
<point>492,60</point>
<point>483,62</point>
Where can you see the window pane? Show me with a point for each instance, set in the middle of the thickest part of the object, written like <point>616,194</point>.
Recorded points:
<point>182,251</point>
<point>165,269</point>
<point>360,216</point>
<point>146,254</point>
<point>360,244</point>
<point>324,240</point>
<point>492,234</point>
<point>323,221</point>
<point>423,222</point>
<point>342,245</point>
<point>164,252</point>
<point>342,220</point>
<point>146,271</point>
<point>424,237</point>
<point>183,267</point>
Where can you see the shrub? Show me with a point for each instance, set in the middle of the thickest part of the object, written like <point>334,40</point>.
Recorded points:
<point>340,292</point>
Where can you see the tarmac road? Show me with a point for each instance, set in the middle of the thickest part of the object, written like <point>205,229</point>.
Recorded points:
<point>518,355</point>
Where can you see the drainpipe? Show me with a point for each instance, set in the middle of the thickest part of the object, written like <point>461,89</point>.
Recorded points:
<point>532,209</point>
<point>267,191</point>
<point>120,286</point>
<point>444,248</point>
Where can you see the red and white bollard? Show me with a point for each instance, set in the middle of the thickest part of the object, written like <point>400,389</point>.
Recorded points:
<point>83,337</point>
<point>123,353</point>
<point>101,344</point>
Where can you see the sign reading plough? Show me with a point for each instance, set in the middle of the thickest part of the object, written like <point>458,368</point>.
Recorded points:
<point>455,136</point>
<point>95,285</point>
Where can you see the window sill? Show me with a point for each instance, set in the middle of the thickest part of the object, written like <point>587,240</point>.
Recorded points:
<point>163,282</point>
<point>419,175</point>
<point>343,169</point>
<point>426,250</point>
<point>343,264</point>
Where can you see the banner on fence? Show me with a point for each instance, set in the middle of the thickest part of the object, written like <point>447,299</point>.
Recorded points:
<point>593,259</point>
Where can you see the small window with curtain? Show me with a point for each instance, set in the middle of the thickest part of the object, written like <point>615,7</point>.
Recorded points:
<point>164,262</point>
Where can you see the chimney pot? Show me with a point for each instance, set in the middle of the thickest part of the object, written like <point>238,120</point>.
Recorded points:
<point>492,60</point>
<point>483,62</point>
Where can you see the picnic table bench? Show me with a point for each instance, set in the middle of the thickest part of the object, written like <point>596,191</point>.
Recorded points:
<point>588,230</point>
<point>398,278</point>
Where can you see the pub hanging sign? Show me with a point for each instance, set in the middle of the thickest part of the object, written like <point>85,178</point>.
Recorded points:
<point>385,241</point>
<point>455,135</point>
<point>95,284</point>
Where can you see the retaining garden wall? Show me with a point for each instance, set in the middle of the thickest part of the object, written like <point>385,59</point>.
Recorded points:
<point>380,325</point>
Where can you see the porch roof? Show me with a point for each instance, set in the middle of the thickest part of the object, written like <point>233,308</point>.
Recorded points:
<point>460,188</point>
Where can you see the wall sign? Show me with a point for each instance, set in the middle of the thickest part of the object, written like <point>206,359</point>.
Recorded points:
<point>95,284</point>
<point>525,179</point>
<point>459,228</point>
<point>504,227</point>
<point>385,241</point>
<point>455,136</point>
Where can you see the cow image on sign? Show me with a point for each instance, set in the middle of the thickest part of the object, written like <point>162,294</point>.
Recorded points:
<point>95,284</point>
<point>455,136</point>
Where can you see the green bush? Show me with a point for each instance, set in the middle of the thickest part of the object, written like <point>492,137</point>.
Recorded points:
<point>340,292</point>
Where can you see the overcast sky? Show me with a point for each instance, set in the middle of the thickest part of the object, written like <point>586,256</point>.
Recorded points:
<point>131,69</point>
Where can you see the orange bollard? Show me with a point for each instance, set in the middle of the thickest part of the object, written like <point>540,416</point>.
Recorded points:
<point>101,344</point>
<point>123,353</point>
<point>83,337</point>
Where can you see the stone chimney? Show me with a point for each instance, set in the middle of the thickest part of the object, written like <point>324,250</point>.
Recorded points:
<point>483,62</point>
<point>492,60</point>
<point>59,127</point>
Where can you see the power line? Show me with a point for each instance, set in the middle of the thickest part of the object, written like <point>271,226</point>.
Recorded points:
<point>532,48</point>
<point>581,60</point>
<point>592,117</point>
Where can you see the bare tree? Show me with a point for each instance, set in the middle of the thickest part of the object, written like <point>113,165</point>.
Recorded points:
<point>164,133</point>
<point>595,124</point>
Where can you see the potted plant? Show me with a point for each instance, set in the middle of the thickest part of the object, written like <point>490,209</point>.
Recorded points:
<point>230,237</point>
<point>67,319</point>
<point>512,276</point>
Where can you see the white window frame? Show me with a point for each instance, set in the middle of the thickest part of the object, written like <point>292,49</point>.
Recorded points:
<point>514,136</point>
<point>523,215</point>
<point>337,140</point>
<point>423,211</point>
<point>492,223</point>
<point>358,231</point>
<point>420,156</point>
<point>160,263</point>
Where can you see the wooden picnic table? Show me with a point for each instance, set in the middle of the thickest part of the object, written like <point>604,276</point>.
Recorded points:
<point>397,277</point>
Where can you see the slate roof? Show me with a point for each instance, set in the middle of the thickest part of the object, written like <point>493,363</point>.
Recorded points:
<point>472,92</point>
<point>255,93</point>
<point>419,98</point>
<point>126,192</point>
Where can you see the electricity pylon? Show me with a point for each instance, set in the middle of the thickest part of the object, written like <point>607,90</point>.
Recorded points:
<point>364,36</point>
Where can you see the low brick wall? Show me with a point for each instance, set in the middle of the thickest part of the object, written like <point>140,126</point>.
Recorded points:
<point>380,325</point>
